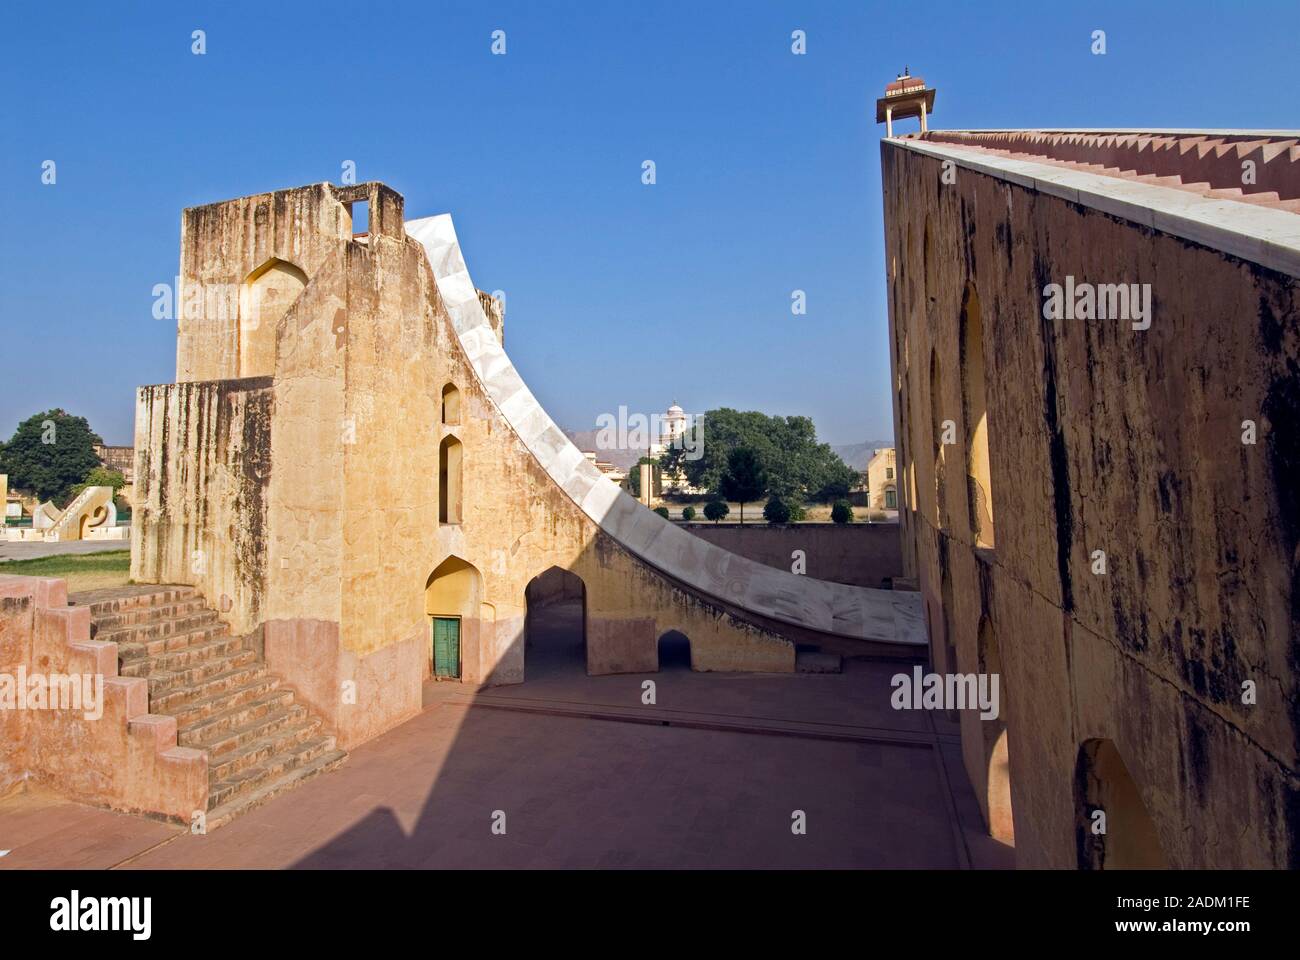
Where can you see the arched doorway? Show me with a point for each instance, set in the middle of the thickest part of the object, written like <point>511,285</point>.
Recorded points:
<point>452,602</point>
<point>265,296</point>
<point>1104,786</point>
<point>555,627</point>
<point>997,794</point>
<point>674,651</point>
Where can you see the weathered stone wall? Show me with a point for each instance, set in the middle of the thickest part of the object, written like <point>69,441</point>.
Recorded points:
<point>203,466</point>
<point>1106,438</point>
<point>862,554</point>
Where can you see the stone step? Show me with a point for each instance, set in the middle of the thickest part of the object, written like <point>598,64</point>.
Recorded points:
<point>217,726</point>
<point>268,771</point>
<point>138,615</point>
<point>127,652</point>
<point>190,714</point>
<point>817,662</point>
<point>224,812</point>
<point>194,677</point>
<point>248,755</point>
<point>174,660</point>
<point>267,724</point>
<point>152,598</point>
<point>229,681</point>
<point>144,633</point>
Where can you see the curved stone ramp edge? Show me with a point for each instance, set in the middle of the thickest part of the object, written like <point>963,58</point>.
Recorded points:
<point>839,609</point>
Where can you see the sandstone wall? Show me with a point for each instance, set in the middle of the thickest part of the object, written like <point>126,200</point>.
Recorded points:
<point>203,468</point>
<point>862,554</point>
<point>1106,438</point>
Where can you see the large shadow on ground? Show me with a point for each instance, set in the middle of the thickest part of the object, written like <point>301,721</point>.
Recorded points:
<point>526,785</point>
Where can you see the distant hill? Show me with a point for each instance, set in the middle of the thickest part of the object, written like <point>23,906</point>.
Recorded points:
<point>586,440</point>
<point>858,455</point>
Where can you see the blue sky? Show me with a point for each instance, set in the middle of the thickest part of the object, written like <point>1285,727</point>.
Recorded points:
<point>618,293</point>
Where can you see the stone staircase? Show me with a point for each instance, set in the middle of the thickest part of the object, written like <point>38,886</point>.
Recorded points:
<point>226,702</point>
<point>1208,165</point>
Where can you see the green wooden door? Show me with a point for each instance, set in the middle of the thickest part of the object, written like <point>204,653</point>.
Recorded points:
<point>446,646</point>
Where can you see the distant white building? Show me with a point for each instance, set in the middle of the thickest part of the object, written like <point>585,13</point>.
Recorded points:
<point>673,423</point>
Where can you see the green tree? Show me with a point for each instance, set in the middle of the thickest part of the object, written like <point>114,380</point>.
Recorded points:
<point>634,476</point>
<point>663,512</point>
<point>101,477</point>
<point>797,465</point>
<point>688,514</point>
<point>49,453</point>
<point>842,512</point>
<point>775,511</point>
<point>716,510</point>
<point>745,479</point>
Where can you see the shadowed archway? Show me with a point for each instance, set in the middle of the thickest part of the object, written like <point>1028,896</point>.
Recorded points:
<point>555,627</point>
<point>674,651</point>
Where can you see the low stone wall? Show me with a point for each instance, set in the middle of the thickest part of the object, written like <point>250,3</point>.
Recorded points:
<point>860,554</point>
<point>118,754</point>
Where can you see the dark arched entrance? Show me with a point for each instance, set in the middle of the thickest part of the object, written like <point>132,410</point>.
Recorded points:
<point>674,651</point>
<point>555,629</point>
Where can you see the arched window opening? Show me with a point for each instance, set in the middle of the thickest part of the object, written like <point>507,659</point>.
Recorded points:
<point>937,431</point>
<point>978,482</point>
<point>449,480</point>
<point>1108,797</point>
<point>450,405</point>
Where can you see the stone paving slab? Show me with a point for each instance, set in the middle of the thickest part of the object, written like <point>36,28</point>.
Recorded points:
<point>43,831</point>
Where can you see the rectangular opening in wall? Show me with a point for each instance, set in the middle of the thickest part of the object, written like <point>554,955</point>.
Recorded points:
<point>359,211</point>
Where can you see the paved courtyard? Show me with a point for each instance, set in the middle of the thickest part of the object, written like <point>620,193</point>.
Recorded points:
<point>582,774</point>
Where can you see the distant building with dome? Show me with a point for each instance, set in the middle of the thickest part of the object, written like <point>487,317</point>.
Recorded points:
<point>673,423</point>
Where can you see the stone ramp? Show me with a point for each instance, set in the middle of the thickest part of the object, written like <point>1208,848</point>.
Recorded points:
<point>258,739</point>
<point>91,508</point>
<point>840,610</point>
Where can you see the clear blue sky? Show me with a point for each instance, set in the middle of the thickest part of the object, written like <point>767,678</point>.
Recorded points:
<point>618,293</point>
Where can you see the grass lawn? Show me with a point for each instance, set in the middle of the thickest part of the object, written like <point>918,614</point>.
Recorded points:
<point>85,571</point>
